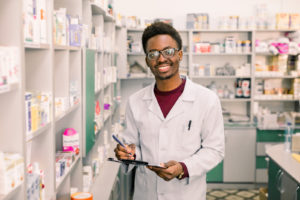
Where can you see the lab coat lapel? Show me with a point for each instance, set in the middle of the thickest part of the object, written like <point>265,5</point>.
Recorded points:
<point>151,100</point>
<point>183,102</point>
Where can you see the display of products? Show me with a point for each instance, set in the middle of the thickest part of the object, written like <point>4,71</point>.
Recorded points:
<point>37,110</point>
<point>9,66</point>
<point>35,21</point>
<point>11,171</point>
<point>242,89</point>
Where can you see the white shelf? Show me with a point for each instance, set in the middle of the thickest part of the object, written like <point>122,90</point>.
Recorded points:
<point>8,88</point>
<point>219,77</point>
<point>98,10</point>
<point>221,31</point>
<point>276,30</point>
<point>61,116</point>
<point>222,54</point>
<point>133,78</point>
<point>135,54</point>
<point>67,173</point>
<point>41,130</point>
<point>61,47</point>
<point>11,193</point>
<point>106,178</point>
<point>236,100</point>
<point>270,54</point>
<point>269,77</point>
<point>36,46</point>
<point>287,100</point>
<point>74,48</point>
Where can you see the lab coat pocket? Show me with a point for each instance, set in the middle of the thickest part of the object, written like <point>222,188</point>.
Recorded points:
<point>190,137</point>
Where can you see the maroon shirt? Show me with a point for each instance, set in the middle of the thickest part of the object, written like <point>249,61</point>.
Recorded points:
<point>166,101</point>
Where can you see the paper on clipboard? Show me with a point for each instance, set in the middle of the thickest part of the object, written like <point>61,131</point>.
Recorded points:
<point>135,162</point>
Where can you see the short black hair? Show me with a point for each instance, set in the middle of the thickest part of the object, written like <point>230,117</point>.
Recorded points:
<point>160,28</point>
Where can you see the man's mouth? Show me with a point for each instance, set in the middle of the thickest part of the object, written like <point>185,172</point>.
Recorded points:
<point>164,67</point>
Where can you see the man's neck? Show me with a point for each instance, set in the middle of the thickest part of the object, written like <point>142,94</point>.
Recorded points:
<point>168,84</point>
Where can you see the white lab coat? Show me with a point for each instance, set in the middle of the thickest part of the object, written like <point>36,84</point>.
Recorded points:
<point>160,139</point>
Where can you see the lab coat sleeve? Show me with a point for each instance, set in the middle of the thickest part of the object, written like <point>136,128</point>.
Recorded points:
<point>212,150</point>
<point>131,136</point>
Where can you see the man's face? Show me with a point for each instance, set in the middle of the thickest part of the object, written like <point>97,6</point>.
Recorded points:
<point>164,67</point>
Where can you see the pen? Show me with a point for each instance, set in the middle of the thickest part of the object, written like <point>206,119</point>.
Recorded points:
<point>118,141</point>
<point>189,126</point>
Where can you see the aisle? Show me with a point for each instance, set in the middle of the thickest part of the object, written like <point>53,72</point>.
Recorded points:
<point>232,195</point>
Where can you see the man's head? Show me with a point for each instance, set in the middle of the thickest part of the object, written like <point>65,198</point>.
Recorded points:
<point>162,45</point>
<point>161,28</point>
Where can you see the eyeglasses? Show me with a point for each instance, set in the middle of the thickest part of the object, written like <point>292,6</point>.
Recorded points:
<point>167,53</point>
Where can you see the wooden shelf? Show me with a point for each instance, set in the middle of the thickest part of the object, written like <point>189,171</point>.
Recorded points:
<point>8,88</point>
<point>41,130</point>
<point>67,173</point>
<point>11,193</point>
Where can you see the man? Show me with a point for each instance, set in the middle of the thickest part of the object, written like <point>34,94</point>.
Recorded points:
<point>174,122</point>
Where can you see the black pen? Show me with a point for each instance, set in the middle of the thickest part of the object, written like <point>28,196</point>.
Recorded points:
<point>189,126</point>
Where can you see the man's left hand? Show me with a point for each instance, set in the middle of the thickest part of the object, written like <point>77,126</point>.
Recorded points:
<point>173,169</point>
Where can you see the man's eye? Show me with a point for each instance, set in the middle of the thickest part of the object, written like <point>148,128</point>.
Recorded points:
<point>169,52</point>
<point>152,54</point>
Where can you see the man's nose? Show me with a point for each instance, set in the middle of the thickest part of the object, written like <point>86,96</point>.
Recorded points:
<point>161,58</point>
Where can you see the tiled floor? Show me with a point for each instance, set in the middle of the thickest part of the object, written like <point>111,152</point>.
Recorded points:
<point>232,194</point>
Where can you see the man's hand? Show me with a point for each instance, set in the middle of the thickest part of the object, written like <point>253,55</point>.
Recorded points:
<point>174,168</point>
<point>125,153</point>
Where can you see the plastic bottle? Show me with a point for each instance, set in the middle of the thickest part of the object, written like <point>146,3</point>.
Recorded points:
<point>288,137</point>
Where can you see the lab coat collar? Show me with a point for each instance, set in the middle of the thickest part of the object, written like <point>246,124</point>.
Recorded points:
<point>188,95</point>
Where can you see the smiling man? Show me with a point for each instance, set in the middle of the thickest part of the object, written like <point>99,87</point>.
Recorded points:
<point>174,122</point>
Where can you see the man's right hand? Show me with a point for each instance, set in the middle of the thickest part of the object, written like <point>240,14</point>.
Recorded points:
<point>125,153</point>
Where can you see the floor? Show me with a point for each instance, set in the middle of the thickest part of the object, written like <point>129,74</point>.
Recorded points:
<point>213,194</point>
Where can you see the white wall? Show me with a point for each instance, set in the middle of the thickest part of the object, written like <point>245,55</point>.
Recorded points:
<point>177,9</point>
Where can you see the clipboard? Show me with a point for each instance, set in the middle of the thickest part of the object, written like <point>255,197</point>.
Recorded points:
<point>135,162</point>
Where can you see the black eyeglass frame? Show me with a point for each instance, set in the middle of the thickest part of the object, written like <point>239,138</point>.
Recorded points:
<point>162,53</point>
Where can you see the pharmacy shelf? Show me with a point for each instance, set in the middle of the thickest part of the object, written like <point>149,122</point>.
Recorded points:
<point>221,31</point>
<point>106,178</point>
<point>276,77</point>
<point>270,54</point>
<point>133,78</point>
<point>11,193</point>
<point>8,88</point>
<point>135,54</point>
<point>235,100</point>
<point>66,113</point>
<point>61,47</point>
<point>221,54</point>
<point>67,173</point>
<point>219,77</point>
<point>283,100</point>
<point>276,30</point>
<point>98,10</point>
<point>276,128</point>
<point>74,48</point>
<point>40,131</point>
<point>36,46</point>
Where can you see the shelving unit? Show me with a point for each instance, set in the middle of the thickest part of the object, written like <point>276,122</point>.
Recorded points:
<point>52,69</point>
